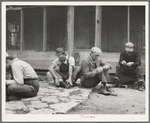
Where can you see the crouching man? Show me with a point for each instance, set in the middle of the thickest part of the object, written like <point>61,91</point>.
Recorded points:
<point>25,80</point>
<point>94,70</point>
<point>63,69</point>
<point>128,66</point>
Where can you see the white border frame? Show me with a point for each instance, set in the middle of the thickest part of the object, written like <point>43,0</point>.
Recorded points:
<point>65,118</point>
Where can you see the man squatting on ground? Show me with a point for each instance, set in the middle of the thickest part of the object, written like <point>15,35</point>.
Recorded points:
<point>94,70</point>
<point>25,80</point>
<point>129,63</point>
<point>63,69</point>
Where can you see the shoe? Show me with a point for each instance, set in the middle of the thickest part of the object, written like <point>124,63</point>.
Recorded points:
<point>13,98</point>
<point>117,82</point>
<point>64,84</point>
<point>140,85</point>
<point>103,90</point>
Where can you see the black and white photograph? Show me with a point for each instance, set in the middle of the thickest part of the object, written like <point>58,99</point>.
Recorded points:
<point>75,61</point>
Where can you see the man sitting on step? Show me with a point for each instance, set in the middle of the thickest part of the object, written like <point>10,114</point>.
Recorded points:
<point>94,70</point>
<point>63,69</point>
<point>129,66</point>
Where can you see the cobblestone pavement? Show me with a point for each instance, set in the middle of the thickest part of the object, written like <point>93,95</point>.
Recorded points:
<point>49,100</point>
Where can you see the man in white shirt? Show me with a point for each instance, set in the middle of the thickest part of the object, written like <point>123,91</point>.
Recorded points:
<point>63,69</point>
<point>25,80</point>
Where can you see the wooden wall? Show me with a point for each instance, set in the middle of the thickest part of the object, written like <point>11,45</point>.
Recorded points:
<point>84,27</point>
<point>33,29</point>
<point>57,27</point>
<point>114,27</point>
<point>137,28</point>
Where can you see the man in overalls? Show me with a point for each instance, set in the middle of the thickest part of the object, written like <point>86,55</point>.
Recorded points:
<point>63,69</point>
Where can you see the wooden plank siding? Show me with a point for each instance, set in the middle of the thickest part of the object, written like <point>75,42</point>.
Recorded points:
<point>33,29</point>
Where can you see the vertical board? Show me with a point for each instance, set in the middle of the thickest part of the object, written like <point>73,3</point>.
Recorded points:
<point>84,27</point>
<point>33,29</point>
<point>114,28</point>
<point>56,27</point>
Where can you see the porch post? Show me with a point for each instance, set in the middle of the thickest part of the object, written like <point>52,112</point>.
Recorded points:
<point>98,26</point>
<point>70,29</point>
<point>22,30</point>
<point>128,24</point>
<point>45,29</point>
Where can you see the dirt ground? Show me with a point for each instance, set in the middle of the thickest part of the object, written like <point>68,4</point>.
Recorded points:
<point>128,101</point>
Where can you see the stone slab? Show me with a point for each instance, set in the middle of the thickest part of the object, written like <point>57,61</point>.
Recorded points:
<point>50,99</point>
<point>63,107</point>
<point>42,111</point>
<point>13,105</point>
<point>38,104</point>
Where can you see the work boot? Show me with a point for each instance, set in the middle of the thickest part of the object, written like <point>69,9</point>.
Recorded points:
<point>64,84</point>
<point>117,82</point>
<point>140,85</point>
<point>111,91</point>
<point>103,90</point>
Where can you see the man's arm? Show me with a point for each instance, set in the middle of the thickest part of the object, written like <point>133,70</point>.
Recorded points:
<point>121,59</point>
<point>85,70</point>
<point>51,69</point>
<point>138,60</point>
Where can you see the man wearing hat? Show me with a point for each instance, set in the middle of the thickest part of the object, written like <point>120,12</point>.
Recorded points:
<point>94,70</point>
<point>129,64</point>
<point>63,69</point>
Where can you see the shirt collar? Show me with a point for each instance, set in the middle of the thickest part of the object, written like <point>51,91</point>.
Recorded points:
<point>14,60</point>
<point>91,59</point>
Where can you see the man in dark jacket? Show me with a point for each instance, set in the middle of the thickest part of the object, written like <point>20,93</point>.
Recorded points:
<point>129,64</point>
<point>94,70</point>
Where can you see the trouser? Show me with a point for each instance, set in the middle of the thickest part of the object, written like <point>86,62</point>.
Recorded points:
<point>94,81</point>
<point>65,75</point>
<point>136,72</point>
<point>30,88</point>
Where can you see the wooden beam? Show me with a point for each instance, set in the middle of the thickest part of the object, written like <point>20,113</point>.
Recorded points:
<point>128,24</point>
<point>98,26</point>
<point>70,29</point>
<point>22,31</point>
<point>45,29</point>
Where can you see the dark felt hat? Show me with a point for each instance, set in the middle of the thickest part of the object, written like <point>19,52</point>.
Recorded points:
<point>59,51</point>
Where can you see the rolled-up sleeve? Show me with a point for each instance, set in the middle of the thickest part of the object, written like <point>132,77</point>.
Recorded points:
<point>71,61</point>
<point>85,70</point>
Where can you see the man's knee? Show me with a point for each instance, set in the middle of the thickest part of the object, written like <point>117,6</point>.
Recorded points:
<point>11,88</point>
<point>49,76</point>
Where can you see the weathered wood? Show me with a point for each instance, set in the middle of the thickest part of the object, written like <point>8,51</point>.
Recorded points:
<point>70,29</point>
<point>45,29</point>
<point>98,26</point>
<point>128,24</point>
<point>22,31</point>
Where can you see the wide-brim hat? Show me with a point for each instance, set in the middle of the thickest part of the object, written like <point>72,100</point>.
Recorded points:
<point>59,51</point>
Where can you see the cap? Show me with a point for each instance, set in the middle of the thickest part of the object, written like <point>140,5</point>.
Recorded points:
<point>59,51</point>
<point>129,46</point>
<point>96,50</point>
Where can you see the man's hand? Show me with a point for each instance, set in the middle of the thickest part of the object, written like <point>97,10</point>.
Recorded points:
<point>69,81</point>
<point>99,69</point>
<point>123,62</point>
<point>106,67</point>
<point>57,82</point>
<point>130,63</point>
<point>9,82</point>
